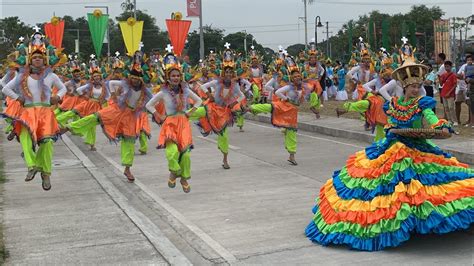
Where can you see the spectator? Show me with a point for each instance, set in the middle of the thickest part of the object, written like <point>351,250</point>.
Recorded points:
<point>448,82</point>
<point>461,91</point>
<point>429,83</point>
<point>469,73</point>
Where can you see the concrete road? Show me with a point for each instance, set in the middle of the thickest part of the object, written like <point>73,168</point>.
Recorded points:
<point>254,213</point>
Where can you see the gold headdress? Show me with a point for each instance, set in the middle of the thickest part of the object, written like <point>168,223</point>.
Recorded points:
<point>410,72</point>
<point>170,61</point>
<point>228,58</point>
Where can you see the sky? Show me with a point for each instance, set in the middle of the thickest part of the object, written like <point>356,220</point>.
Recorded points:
<point>271,22</point>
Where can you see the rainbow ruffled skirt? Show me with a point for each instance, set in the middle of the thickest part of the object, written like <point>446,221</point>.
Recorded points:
<point>389,191</point>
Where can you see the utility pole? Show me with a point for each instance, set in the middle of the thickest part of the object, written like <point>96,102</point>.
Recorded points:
<point>454,56</point>
<point>135,9</point>
<point>328,52</point>
<point>201,33</point>
<point>305,25</point>
<point>245,42</point>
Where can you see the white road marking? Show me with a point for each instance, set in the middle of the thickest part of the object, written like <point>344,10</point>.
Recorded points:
<point>218,248</point>
<point>309,136</point>
<point>215,142</point>
<point>156,237</point>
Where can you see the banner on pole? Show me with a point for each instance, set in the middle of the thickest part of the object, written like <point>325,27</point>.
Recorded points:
<point>177,33</point>
<point>132,34</point>
<point>97,26</point>
<point>442,37</point>
<point>55,31</point>
<point>194,8</point>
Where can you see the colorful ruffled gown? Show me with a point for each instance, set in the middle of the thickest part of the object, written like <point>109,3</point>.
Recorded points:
<point>394,188</point>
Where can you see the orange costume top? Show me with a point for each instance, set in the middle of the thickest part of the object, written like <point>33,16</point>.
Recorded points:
<point>72,98</point>
<point>218,112</point>
<point>95,97</point>
<point>120,121</point>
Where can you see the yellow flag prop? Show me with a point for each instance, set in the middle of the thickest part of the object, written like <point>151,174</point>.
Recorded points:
<point>132,34</point>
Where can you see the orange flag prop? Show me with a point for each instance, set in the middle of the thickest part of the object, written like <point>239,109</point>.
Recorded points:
<point>55,31</point>
<point>177,32</point>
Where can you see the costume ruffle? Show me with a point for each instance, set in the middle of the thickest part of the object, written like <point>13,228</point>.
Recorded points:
<point>387,192</point>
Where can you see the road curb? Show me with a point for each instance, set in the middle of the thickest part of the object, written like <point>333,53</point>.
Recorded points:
<point>355,135</point>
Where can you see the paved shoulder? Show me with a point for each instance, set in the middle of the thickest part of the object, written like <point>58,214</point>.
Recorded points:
<point>74,223</point>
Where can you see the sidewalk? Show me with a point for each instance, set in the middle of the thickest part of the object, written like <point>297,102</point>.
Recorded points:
<point>74,223</point>
<point>460,147</point>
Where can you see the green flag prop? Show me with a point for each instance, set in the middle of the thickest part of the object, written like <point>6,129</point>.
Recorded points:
<point>97,26</point>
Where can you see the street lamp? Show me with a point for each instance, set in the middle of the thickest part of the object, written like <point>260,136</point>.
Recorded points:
<point>108,31</point>
<point>318,24</point>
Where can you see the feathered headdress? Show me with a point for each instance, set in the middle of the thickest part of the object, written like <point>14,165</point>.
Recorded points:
<point>73,63</point>
<point>228,57</point>
<point>410,72</point>
<point>94,66</point>
<point>291,65</point>
<point>170,61</point>
<point>364,51</point>
<point>117,62</point>
<point>312,48</point>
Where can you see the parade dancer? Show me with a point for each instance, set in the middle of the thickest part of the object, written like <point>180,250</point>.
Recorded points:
<point>217,114</point>
<point>96,96</point>
<point>398,187</point>
<point>175,134</point>
<point>32,89</point>
<point>72,98</point>
<point>255,75</point>
<point>120,121</point>
<point>331,90</point>
<point>285,111</point>
<point>13,108</point>
<point>341,94</point>
<point>313,71</point>
<point>143,121</point>
<point>362,73</point>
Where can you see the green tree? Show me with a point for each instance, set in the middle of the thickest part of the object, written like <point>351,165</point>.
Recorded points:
<point>13,29</point>
<point>212,40</point>
<point>295,49</point>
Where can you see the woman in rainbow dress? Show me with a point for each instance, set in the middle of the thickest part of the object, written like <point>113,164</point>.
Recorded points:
<point>399,186</point>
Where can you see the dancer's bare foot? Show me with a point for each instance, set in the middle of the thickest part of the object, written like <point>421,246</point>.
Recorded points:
<point>172,180</point>
<point>225,163</point>
<point>340,112</point>
<point>128,174</point>
<point>46,182</point>
<point>11,136</point>
<point>292,159</point>
<point>63,130</point>
<point>31,175</point>
<point>185,185</point>
<point>241,129</point>
<point>142,152</point>
<point>93,148</point>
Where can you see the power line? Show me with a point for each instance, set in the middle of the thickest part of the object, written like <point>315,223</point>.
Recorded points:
<point>57,3</point>
<point>379,3</point>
